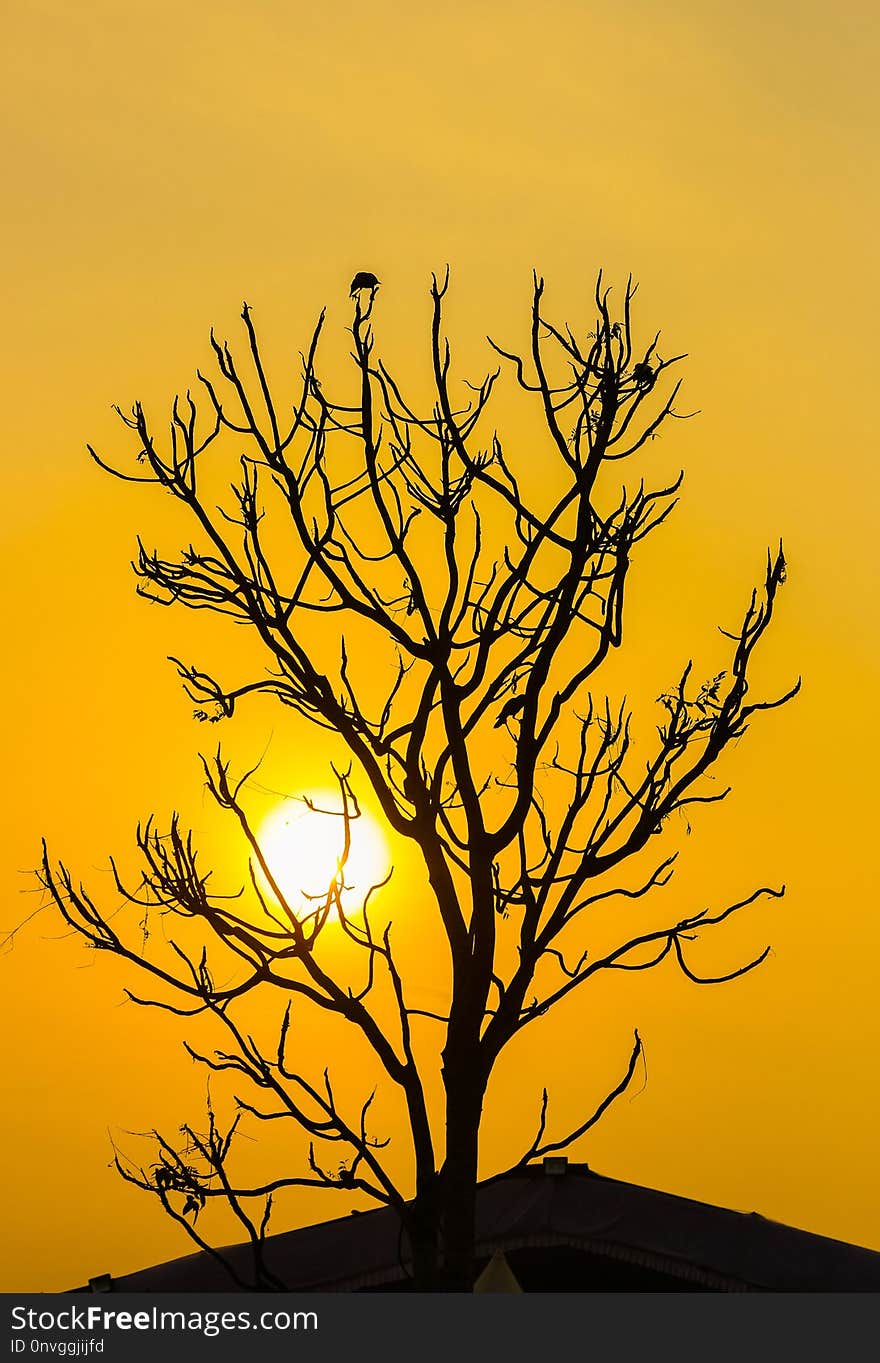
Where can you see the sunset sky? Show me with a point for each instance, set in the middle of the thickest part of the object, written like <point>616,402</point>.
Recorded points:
<point>163,162</point>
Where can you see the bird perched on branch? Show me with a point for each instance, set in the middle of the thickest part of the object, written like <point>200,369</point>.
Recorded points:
<point>508,710</point>
<point>364,280</point>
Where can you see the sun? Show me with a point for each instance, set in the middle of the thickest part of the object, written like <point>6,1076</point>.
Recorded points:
<point>303,848</point>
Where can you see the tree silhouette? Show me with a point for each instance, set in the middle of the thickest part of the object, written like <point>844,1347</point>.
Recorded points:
<point>491,589</point>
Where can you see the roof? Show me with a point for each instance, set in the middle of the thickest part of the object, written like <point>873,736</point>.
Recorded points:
<point>576,1215</point>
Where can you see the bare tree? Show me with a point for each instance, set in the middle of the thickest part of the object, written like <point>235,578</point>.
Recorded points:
<point>494,597</point>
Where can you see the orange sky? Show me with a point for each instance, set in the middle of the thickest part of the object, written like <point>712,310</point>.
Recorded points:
<point>162,162</point>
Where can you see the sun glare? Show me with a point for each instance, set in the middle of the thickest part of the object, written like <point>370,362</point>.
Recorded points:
<point>303,848</point>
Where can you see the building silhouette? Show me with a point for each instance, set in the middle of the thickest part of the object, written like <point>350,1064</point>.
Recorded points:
<point>559,1227</point>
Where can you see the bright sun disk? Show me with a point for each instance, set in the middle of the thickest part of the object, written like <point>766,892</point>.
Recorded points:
<point>302,848</point>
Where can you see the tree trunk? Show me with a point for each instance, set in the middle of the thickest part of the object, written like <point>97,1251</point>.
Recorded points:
<point>458,1189</point>
<point>423,1232</point>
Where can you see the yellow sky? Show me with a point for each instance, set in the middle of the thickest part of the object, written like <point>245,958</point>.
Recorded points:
<point>161,163</point>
